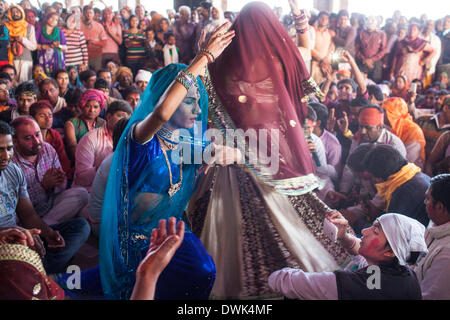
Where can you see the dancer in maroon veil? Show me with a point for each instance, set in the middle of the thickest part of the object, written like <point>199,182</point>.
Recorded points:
<point>251,219</point>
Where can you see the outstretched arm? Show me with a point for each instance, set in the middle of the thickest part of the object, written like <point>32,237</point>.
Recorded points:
<point>358,75</point>
<point>145,129</point>
<point>301,23</point>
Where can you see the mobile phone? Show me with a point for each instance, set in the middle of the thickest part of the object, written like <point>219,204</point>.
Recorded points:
<point>330,229</point>
<point>413,87</point>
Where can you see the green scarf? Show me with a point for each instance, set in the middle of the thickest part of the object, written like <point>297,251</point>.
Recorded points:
<point>54,37</point>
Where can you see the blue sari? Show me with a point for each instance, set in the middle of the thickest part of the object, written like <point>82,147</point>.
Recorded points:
<point>137,198</point>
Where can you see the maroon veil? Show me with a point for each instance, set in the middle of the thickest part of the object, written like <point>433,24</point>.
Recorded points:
<point>261,82</point>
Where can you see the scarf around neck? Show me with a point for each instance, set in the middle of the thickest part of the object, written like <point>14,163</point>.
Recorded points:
<point>386,189</point>
<point>170,54</point>
<point>54,36</point>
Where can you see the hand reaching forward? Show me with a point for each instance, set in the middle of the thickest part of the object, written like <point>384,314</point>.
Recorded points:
<point>26,237</point>
<point>343,123</point>
<point>219,40</point>
<point>17,235</point>
<point>340,222</point>
<point>294,7</point>
<point>164,242</point>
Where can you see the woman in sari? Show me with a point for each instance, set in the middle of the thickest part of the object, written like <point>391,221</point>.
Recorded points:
<point>411,55</point>
<point>51,45</point>
<point>151,183</point>
<point>91,103</point>
<point>258,220</point>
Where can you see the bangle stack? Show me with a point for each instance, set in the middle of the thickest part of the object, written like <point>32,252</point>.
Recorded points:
<point>301,22</point>
<point>186,78</point>
<point>208,55</point>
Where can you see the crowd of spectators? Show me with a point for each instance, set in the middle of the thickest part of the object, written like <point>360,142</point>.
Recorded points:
<point>68,76</point>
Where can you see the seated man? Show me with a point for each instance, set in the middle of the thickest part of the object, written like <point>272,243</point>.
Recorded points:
<point>433,270</point>
<point>88,78</point>
<point>363,193</point>
<point>124,78</point>
<point>324,170</point>
<point>399,183</point>
<point>330,142</point>
<point>71,111</point>
<point>375,94</point>
<point>26,95</point>
<point>371,130</point>
<point>132,96</point>
<point>97,144</point>
<point>106,74</point>
<point>46,181</point>
<point>347,125</point>
<point>102,85</point>
<point>49,90</point>
<point>42,112</point>
<point>142,78</point>
<point>5,102</point>
<point>62,240</point>
<point>380,256</point>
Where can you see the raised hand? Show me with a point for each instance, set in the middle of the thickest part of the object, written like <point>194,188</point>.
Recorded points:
<point>347,56</point>
<point>343,123</point>
<point>52,178</point>
<point>336,218</point>
<point>164,242</point>
<point>219,40</point>
<point>294,7</point>
<point>331,123</point>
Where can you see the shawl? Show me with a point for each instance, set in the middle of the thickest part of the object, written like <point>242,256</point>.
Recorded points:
<point>16,29</point>
<point>386,189</point>
<point>402,124</point>
<point>54,36</point>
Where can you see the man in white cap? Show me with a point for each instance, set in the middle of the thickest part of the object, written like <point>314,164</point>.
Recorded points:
<point>382,255</point>
<point>142,78</point>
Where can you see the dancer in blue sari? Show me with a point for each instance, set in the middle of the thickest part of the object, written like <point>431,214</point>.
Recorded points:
<point>147,183</point>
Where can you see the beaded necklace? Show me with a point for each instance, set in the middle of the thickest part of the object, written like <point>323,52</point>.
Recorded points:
<point>174,188</point>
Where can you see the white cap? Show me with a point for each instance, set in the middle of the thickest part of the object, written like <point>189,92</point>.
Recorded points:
<point>143,75</point>
<point>404,234</point>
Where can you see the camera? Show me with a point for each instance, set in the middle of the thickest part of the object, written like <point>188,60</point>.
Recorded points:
<point>336,58</point>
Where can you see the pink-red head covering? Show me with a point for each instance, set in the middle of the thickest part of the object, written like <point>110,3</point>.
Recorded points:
<point>371,117</point>
<point>93,94</point>
<point>260,80</point>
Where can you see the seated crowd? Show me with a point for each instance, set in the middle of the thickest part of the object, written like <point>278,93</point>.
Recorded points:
<point>70,79</point>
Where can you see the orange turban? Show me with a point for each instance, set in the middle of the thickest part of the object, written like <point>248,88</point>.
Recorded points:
<point>402,124</point>
<point>371,116</point>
